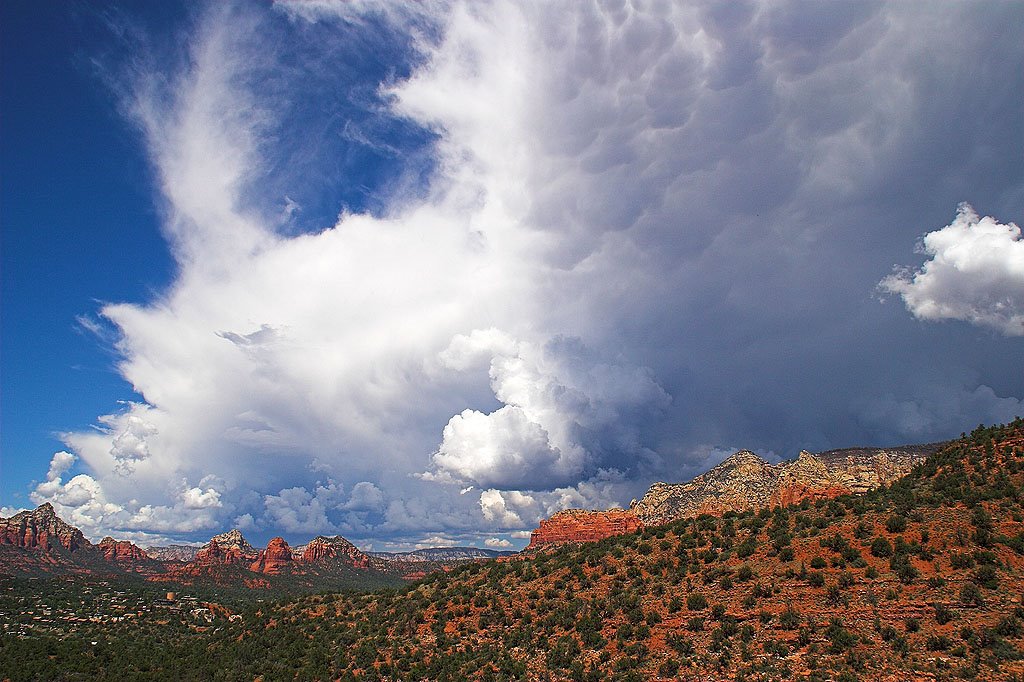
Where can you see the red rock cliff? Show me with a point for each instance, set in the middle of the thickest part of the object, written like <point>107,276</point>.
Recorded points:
<point>41,529</point>
<point>275,559</point>
<point>323,549</point>
<point>578,525</point>
<point>121,551</point>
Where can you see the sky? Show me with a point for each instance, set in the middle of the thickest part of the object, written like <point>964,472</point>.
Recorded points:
<point>423,274</point>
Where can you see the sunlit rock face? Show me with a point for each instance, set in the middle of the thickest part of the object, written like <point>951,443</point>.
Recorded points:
<point>41,528</point>
<point>275,559</point>
<point>122,552</point>
<point>578,525</point>
<point>746,481</point>
<point>322,549</point>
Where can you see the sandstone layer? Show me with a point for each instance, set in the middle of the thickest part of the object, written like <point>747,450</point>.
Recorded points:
<point>42,529</point>
<point>579,525</point>
<point>324,549</point>
<point>122,552</point>
<point>275,559</point>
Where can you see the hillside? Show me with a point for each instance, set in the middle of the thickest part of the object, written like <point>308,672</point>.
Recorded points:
<point>919,580</point>
<point>743,481</point>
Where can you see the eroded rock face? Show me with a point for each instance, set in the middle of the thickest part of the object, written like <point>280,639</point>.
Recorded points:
<point>234,541</point>
<point>324,549</point>
<point>121,551</point>
<point>42,529</point>
<point>578,525</point>
<point>275,559</point>
<point>226,549</point>
<point>745,481</point>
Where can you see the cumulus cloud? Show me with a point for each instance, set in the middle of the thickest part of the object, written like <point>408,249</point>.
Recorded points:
<point>643,229</point>
<point>506,509</point>
<point>297,510</point>
<point>498,543</point>
<point>130,442</point>
<point>565,413</point>
<point>975,273</point>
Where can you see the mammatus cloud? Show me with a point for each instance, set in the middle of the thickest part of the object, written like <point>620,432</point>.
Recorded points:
<point>617,259</point>
<point>975,273</point>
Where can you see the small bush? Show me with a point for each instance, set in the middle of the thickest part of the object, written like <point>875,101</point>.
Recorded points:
<point>896,524</point>
<point>971,595</point>
<point>789,619</point>
<point>881,548</point>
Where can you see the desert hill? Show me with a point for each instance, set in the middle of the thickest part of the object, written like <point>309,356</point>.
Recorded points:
<point>743,481</point>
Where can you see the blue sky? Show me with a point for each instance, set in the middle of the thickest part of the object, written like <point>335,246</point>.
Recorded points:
<point>426,275</point>
<point>79,226</point>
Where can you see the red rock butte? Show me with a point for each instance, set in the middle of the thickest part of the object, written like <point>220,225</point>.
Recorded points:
<point>275,559</point>
<point>579,525</point>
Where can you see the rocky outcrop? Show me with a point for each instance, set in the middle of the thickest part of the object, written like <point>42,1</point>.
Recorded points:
<point>42,529</point>
<point>323,549</point>
<point>275,559</point>
<point>579,525</point>
<point>234,541</point>
<point>226,549</point>
<point>745,481</point>
<point>122,552</point>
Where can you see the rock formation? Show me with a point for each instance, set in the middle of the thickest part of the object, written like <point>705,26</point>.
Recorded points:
<point>449,554</point>
<point>42,529</point>
<point>275,559</point>
<point>325,549</point>
<point>121,552</point>
<point>234,541</point>
<point>578,525</point>
<point>745,481</point>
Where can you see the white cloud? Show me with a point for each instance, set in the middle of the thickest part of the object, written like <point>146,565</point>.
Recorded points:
<point>497,543</point>
<point>198,498</point>
<point>556,398</point>
<point>506,508</point>
<point>975,273</point>
<point>130,443</point>
<point>365,496</point>
<point>296,510</point>
<point>436,541</point>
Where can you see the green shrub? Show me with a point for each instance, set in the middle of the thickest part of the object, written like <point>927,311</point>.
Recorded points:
<point>970,594</point>
<point>881,548</point>
<point>896,524</point>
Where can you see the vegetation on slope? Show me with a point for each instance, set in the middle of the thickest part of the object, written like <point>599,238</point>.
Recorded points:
<point>924,577</point>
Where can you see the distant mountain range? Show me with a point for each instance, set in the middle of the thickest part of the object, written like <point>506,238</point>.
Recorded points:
<point>442,554</point>
<point>39,542</point>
